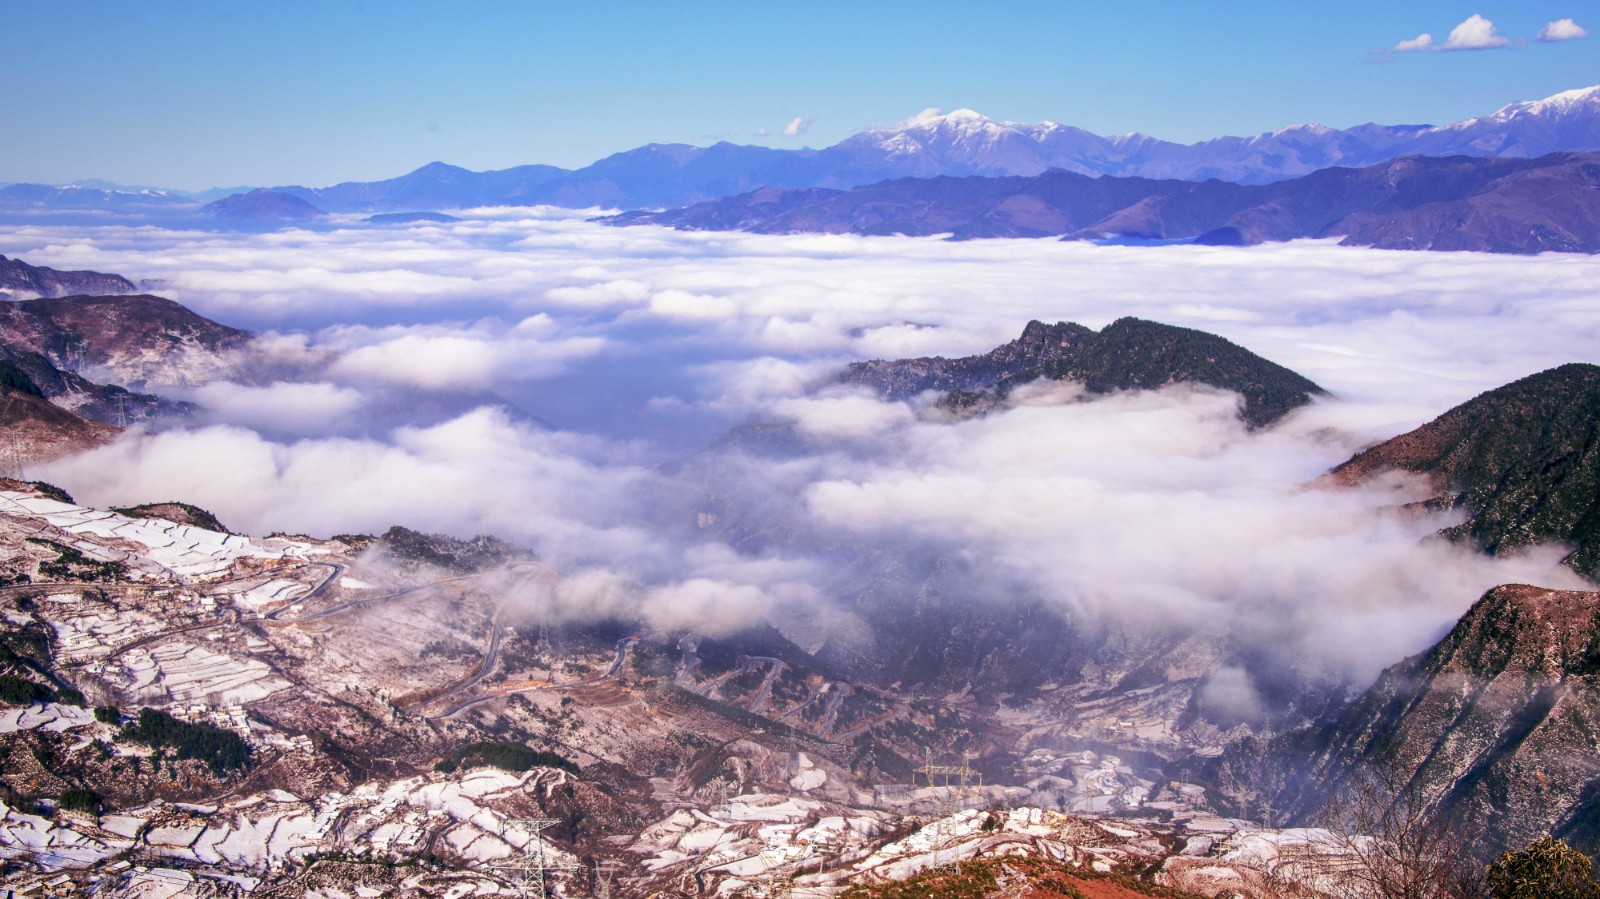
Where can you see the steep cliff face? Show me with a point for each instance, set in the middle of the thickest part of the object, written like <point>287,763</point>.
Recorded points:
<point>1499,720</point>
<point>1523,460</point>
<point>1128,354</point>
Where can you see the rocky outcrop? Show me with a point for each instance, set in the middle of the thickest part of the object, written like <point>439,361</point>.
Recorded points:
<point>20,281</point>
<point>37,431</point>
<point>1128,354</point>
<point>106,403</point>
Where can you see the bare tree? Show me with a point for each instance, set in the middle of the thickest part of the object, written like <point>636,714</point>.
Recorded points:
<point>1398,842</point>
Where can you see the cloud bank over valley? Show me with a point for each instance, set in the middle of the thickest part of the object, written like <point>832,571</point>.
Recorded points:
<point>528,374</point>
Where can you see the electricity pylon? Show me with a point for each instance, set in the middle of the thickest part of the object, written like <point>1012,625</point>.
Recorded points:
<point>954,781</point>
<point>532,868</point>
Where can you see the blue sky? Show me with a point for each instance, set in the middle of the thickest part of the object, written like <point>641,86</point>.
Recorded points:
<point>195,95</point>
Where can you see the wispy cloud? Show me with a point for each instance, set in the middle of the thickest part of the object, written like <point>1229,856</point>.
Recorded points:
<point>797,126</point>
<point>1561,30</point>
<point>1420,42</point>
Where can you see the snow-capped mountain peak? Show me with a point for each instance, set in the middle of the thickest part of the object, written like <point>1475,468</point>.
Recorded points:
<point>1557,106</point>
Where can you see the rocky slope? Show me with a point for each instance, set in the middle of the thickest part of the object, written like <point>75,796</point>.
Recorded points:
<point>308,719</point>
<point>21,281</point>
<point>128,340</point>
<point>1496,724</point>
<point>106,403</point>
<point>1128,354</point>
<point>1522,460</point>
<point>37,430</point>
<point>1417,203</point>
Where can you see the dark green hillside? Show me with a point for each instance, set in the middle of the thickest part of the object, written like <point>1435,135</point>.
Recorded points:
<point>1523,459</point>
<point>1129,354</point>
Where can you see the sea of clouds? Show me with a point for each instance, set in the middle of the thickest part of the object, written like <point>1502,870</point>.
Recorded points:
<point>529,374</point>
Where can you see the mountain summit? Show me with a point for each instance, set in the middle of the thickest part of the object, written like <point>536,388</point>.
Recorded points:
<point>1128,354</point>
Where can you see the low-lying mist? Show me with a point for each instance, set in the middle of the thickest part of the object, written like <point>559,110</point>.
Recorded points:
<point>533,376</point>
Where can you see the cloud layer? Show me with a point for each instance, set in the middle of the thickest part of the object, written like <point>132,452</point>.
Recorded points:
<point>525,373</point>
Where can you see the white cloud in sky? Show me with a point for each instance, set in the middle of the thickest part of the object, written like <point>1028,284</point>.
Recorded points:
<point>1476,33</point>
<point>1420,42</point>
<point>797,126</point>
<point>1561,30</point>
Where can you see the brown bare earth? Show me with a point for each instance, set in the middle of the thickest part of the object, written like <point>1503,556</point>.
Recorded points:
<point>1017,877</point>
<point>35,431</point>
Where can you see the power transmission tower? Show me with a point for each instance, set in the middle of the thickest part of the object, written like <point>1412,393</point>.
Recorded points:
<point>122,411</point>
<point>953,781</point>
<point>603,872</point>
<point>532,870</point>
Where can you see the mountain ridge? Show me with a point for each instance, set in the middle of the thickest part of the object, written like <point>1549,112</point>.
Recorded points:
<point>1128,354</point>
<point>960,143</point>
<point>1494,723</point>
<point>1413,203</point>
<point>139,339</point>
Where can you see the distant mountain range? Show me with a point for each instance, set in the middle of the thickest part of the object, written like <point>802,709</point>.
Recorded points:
<point>1412,203</point>
<point>965,143</point>
<point>961,143</point>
